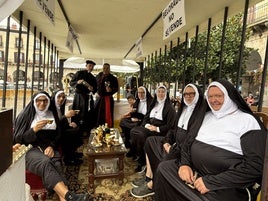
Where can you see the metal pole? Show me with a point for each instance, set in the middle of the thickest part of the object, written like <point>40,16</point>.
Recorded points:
<point>6,62</point>
<point>26,62</point>
<point>223,40</point>
<point>207,52</point>
<point>263,81</point>
<point>18,69</point>
<point>242,43</point>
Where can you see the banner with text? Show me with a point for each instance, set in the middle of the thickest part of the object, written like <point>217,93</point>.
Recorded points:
<point>48,7</point>
<point>138,45</point>
<point>173,17</point>
<point>69,41</point>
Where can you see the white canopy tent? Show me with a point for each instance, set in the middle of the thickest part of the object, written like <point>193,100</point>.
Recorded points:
<point>120,66</point>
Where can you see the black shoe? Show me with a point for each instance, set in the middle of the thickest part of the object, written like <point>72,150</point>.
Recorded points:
<point>75,162</point>
<point>129,154</point>
<point>70,196</point>
<point>140,169</point>
<point>135,158</point>
<point>141,191</point>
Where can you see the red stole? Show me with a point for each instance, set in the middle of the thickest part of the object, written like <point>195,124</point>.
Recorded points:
<point>108,114</point>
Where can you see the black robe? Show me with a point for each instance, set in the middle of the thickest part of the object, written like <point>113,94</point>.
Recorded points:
<point>83,101</point>
<point>24,134</point>
<point>228,175</point>
<point>104,105</point>
<point>225,173</point>
<point>71,138</point>
<point>175,137</point>
<point>49,169</point>
<point>139,134</point>
<point>127,124</point>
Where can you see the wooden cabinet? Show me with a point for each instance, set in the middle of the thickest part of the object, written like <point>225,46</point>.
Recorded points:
<point>6,138</point>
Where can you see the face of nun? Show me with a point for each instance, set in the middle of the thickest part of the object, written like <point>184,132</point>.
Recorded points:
<point>189,94</point>
<point>41,103</point>
<point>161,93</point>
<point>215,98</point>
<point>60,99</point>
<point>141,93</point>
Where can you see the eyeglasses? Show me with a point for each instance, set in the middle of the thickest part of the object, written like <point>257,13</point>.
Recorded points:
<point>41,100</point>
<point>190,94</point>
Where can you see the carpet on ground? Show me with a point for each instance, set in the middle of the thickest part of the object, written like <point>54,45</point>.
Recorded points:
<point>105,189</point>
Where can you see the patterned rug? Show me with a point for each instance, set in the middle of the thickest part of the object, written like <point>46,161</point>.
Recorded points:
<point>106,189</point>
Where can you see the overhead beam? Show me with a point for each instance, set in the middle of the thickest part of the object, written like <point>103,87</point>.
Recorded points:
<point>145,32</point>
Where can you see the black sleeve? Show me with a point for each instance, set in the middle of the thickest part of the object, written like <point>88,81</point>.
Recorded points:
<point>114,85</point>
<point>94,84</point>
<point>170,137</point>
<point>169,118</point>
<point>23,133</point>
<point>74,80</point>
<point>249,170</point>
<point>26,138</point>
<point>146,119</point>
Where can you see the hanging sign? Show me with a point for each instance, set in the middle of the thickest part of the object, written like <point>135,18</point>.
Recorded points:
<point>48,7</point>
<point>173,17</point>
<point>69,41</point>
<point>138,45</point>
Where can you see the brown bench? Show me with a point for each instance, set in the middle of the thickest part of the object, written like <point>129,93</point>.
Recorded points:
<point>263,109</point>
<point>264,190</point>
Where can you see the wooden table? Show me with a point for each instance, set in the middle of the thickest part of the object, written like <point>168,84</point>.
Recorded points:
<point>105,162</point>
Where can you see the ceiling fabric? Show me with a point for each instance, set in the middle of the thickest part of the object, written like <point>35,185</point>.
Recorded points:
<point>7,7</point>
<point>120,66</point>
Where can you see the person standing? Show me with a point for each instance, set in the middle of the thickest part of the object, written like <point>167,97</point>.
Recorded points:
<point>85,85</point>
<point>107,86</point>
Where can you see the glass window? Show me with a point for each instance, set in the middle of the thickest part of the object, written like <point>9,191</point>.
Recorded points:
<point>38,57</point>
<point>2,58</point>
<point>1,41</point>
<point>17,43</point>
<point>16,57</point>
<point>37,45</point>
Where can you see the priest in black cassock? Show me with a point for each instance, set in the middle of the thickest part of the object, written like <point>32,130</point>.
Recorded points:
<point>224,160</point>
<point>85,85</point>
<point>107,87</point>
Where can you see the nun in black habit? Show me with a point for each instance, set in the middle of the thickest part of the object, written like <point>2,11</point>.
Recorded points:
<point>159,119</point>
<point>38,125</point>
<point>224,161</point>
<point>157,149</point>
<point>139,110</point>
<point>72,137</point>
